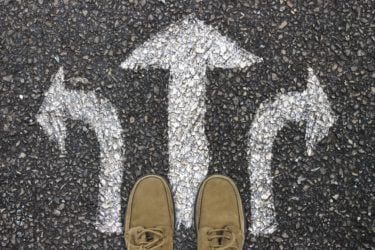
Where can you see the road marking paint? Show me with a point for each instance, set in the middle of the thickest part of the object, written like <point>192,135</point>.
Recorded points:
<point>60,104</point>
<point>187,48</point>
<point>310,106</point>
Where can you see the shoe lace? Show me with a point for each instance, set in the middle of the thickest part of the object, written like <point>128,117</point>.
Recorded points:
<point>149,238</point>
<point>221,239</point>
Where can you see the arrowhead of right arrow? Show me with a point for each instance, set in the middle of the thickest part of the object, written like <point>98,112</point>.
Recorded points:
<point>320,116</point>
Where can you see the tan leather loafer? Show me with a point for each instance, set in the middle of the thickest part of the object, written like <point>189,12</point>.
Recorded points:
<point>219,216</point>
<point>149,220</point>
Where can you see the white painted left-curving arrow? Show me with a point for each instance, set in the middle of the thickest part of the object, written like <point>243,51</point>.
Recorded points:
<point>311,107</point>
<point>60,104</point>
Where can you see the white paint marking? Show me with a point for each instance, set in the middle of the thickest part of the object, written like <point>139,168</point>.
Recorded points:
<point>60,104</point>
<point>187,48</point>
<point>312,107</point>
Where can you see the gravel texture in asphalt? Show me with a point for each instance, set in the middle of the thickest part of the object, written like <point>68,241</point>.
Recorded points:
<point>322,196</point>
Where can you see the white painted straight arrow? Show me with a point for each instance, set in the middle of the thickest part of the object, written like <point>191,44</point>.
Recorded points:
<point>60,104</point>
<point>187,48</point>
<point>310,106</point>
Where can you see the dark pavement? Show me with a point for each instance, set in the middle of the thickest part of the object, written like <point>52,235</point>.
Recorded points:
<point>323,201</point>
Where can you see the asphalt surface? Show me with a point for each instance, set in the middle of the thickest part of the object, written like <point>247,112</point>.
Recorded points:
<point>323,201</point>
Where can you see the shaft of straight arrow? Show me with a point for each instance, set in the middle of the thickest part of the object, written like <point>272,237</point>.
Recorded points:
<point>188,145</point>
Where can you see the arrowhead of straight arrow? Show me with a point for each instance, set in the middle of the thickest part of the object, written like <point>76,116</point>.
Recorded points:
<point>189,42</point>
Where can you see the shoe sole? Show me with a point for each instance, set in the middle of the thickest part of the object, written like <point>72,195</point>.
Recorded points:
<point>238,198</point>
<point>129,207</point>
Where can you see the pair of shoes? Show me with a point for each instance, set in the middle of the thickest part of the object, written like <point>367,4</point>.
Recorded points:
<point>219,217</point>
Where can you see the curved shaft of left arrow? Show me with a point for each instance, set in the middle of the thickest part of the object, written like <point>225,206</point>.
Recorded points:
<point>102,117</point>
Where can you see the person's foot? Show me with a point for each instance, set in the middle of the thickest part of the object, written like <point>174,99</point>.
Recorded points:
<point>149,220</point>
<point>219,216</point>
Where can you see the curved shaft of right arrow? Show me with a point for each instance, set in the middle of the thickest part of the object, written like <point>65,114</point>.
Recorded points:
<point>268,122</point>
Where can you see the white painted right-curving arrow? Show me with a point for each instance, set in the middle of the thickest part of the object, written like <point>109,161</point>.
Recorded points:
<point>310,106</point>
